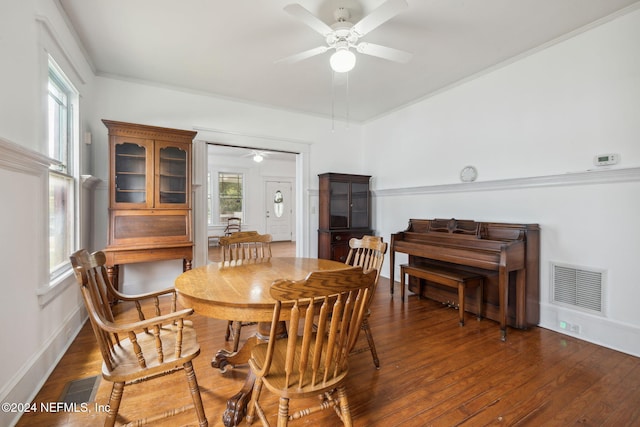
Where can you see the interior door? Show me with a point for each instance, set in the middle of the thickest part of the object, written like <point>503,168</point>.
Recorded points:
<point>279,205</point>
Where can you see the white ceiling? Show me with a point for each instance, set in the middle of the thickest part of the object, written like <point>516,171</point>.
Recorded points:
<point>229,48</point>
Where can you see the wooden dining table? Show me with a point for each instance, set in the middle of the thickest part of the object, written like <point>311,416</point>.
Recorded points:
<point>240,291</point>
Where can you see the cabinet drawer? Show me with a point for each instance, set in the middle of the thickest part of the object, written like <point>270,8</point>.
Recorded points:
<point>149,227</point>
<point>341,237</point>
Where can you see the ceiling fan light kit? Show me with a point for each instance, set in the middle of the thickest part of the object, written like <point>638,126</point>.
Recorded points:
<point>343,36</point>
<point>343,60</point>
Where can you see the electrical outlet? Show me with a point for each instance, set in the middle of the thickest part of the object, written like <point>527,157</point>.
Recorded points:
<point>564,325</point>
<point>569,326</point>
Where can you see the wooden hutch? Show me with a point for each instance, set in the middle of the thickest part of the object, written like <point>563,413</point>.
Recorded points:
<point>149,195</point>
<point>344,213</point>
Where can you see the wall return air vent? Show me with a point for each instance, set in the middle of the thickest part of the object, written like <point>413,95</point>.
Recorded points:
<point>578,287</point>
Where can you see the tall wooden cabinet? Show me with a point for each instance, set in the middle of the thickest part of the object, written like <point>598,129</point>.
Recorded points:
<point>344,213</point>
<point>149,195</point>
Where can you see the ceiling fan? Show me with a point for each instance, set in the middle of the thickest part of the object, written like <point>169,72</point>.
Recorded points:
<point>344,37</point>
<point>257,155</point>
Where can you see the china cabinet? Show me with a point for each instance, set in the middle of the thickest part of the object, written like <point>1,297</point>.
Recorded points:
<point>344,213</point>
<point>149,195</point>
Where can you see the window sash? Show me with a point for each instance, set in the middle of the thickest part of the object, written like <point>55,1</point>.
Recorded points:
<point>59,121</point>
<point>61,221</point>
<point>230,195</point>
<point>63,182</point>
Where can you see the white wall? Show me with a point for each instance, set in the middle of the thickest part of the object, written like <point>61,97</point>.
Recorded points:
<point>39,321</point>
<point>547,114</point>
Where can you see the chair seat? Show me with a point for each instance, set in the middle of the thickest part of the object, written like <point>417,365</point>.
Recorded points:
<point>275,380</point>
<point>127,368</point>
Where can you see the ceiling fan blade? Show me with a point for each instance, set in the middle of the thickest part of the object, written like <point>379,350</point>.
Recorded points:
<point>384,52</point>
<point>308,18</point>
<point>304,55</point>
<point>378,16</point>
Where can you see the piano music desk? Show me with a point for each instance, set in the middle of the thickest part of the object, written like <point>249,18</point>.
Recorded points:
<point>458,279</point>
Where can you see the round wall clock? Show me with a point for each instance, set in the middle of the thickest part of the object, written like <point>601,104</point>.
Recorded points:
<point>468,174</point>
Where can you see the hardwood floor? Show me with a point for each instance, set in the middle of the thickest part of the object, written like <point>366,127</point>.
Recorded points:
<point>433,373</point>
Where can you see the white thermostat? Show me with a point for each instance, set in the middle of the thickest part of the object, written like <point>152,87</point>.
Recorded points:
<point>606,159</point>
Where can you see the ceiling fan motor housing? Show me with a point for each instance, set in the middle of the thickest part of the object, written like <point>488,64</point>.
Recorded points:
<point>341,33</point>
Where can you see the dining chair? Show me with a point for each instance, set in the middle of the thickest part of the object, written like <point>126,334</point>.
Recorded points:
<point>241,247</point>
<point>310,361</point>
<point>136,351</point>
<point>234,224</point>
<point>368,253</point>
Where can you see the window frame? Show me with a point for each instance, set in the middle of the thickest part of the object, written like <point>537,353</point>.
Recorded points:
<point>64,167</point>
<point>213,195</point>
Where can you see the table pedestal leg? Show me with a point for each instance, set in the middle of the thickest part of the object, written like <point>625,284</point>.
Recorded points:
<point>237,405</point>
<point>225,359</point>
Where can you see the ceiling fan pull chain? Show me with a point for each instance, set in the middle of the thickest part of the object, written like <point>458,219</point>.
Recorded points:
<point>347,97</point>
<point>333,100</point>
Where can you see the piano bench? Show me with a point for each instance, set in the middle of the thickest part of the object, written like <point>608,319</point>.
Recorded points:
<point>448,277</point>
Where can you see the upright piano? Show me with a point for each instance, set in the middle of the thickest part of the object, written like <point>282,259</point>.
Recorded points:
<point>507,255</point>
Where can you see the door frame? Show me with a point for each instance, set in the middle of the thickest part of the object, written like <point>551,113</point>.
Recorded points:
<point>301,148</point>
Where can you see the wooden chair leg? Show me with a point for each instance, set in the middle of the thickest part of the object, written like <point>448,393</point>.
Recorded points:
<point>372,345</point>
<point>283,412</point>
<point>114,404</point>
<point>344,406</point>
<point>253,404</point>
<point>195,394</point>
<point>227,333</point>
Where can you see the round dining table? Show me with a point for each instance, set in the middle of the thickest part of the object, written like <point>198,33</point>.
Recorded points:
<point>240,291</point>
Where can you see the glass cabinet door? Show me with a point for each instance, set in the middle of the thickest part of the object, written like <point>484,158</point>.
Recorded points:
<point>131,173</point>
<point>339,211</point>
<point>359,205</point>
<point>172,172</point>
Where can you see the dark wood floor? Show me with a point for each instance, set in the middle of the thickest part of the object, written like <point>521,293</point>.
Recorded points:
<point>433,373</point>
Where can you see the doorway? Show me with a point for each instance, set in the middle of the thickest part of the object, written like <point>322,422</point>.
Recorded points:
<point>279,210</point>
<point>299,152</point>
<point>275,172</point>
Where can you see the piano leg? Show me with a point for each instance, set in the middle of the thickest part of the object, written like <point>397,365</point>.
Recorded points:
<point>521,298</point>
<point>392,263</point>
<point>503,291</point>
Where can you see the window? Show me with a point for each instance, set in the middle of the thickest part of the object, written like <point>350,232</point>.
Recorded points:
<point>62,140</point>
<point>229,196</point>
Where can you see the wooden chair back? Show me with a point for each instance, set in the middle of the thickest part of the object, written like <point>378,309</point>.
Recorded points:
<point>234,224</point>
<point>327,310</point>
<point>334,303</point>
<point>245,245</point>
<point>367,253</point>
<point>93,282</point>
<point>91,275</point>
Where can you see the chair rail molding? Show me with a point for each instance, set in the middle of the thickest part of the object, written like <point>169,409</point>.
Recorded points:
<point>21,159</point>
<point>604,176</point>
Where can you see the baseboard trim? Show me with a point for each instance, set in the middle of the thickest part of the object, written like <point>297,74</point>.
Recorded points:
<point>27,382</point>
<point>594,329</point>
